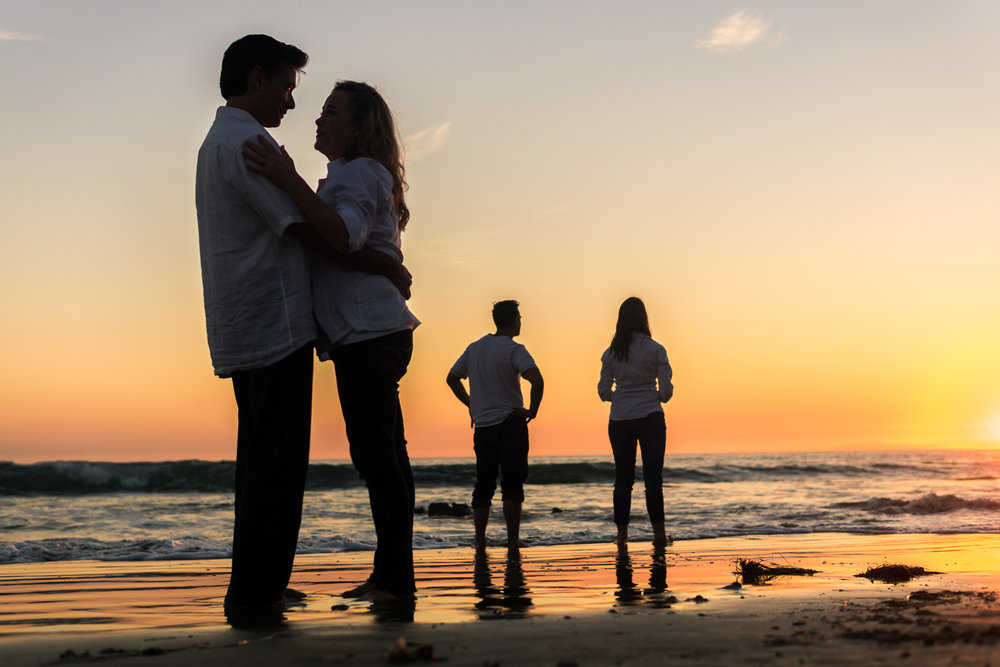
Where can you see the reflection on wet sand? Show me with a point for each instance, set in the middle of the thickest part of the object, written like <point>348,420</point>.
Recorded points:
<point>655,595</point>
<point>395,610</point>
<point>512,600</point>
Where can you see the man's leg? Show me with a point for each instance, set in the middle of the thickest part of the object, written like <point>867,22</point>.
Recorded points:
<point>272,458</point>
<point>512,516</point>
<point>514,469</point>
<point>485,445</point>
<point>480,518</point>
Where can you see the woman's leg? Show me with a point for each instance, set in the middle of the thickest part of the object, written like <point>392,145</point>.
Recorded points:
<point>368,375</point>
<point>623,447</point>
<point>653,443</point>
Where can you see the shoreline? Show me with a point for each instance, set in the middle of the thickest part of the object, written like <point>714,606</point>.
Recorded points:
<point>571,604</point>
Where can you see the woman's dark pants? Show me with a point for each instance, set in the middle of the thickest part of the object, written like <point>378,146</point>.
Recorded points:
<point>651,434</point>
<point>368,375</point>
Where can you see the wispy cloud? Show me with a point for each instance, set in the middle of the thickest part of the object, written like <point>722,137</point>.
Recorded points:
<point>9,36</point>
<point>469,250</point>
<point>736,32</point>
<point>425,142</point>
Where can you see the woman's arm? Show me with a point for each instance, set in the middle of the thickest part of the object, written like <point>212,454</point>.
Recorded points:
<point>366,259</point>
<point>326,232</point>
<point>279,168</point>
<point>607,379</point>
<point>664,376</point>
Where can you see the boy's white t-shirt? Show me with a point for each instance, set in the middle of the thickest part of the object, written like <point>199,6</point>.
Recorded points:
<point>494,365</point>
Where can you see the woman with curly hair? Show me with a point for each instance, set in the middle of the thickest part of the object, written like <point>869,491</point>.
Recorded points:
<point>367,330</point>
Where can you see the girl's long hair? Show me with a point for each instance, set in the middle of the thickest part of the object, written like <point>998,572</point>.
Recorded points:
<point>631,319</point>
<point>377,139</point>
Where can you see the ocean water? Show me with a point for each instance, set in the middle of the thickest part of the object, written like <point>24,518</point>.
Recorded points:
<point>71,510</point>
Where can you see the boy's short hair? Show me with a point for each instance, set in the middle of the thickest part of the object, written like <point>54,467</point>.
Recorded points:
<point>505,313</point>
<point>247,52</point>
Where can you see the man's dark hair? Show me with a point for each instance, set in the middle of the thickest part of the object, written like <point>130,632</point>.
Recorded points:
<point>247,52</point>
<point>505,313</point>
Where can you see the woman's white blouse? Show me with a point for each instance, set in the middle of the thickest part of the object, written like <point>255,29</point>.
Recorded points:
<point>351,306</point>
<point>637,385</point>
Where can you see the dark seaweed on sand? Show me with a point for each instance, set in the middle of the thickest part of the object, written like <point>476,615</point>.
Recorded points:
<point>756,572</point>
<point>894,573</point>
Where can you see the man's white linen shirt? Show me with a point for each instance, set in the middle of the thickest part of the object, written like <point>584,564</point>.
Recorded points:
<point>352,306</point>
<point>640,383</point>
<point>494,365</point>
<point>255,275</point>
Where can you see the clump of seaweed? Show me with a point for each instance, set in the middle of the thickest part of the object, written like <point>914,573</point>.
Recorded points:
<point>756,572</point>
<point>894,573</point>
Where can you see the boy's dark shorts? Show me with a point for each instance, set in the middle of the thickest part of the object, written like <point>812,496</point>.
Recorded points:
<point>501,448</point>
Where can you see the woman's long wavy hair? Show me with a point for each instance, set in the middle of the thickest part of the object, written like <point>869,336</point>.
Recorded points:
<point>377,139</point>
<point>632,319</point>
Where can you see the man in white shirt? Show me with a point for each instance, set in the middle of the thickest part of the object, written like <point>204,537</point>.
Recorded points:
<point>258,309</point>
<point>494,365</point>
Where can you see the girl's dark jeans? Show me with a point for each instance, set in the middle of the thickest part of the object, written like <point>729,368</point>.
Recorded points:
<point>368,375</point>
<point>651,434</point>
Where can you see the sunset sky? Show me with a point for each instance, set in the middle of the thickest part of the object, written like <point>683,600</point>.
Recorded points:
<point>799,191</point>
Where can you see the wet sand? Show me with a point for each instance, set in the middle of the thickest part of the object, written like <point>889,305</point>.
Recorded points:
<point>565,605</point>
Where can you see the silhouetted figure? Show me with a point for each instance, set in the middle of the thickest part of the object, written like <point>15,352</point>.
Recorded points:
<point>366,328</point>
<point>494,364</point>
<point>636,379</point>
<point>258,311</point>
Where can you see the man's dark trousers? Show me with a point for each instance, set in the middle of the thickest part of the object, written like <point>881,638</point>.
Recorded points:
<point>272,458</point>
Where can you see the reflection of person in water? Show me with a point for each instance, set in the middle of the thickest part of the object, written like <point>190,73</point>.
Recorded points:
<point>512,600</point>
<point>629,594</point>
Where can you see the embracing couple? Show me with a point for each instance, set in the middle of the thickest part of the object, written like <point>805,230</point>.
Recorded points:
<point>287,270</point>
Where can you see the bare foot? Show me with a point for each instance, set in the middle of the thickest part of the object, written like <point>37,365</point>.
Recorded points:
<point>358,591</point>
<point>518,544</point>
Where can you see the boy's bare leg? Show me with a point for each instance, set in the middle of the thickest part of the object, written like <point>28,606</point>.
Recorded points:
<point>512,515</point>
<point>480,517</point>
<point>660,538</point>
<point>623,535</point>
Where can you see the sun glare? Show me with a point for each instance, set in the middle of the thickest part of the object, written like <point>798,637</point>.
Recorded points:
<point>993,429</point>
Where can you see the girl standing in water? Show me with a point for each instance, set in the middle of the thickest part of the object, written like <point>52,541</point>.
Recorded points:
<point>636,379</point>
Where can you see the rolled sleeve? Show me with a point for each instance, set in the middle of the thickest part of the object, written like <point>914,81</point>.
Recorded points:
<point>606,382</point>
<point>521,360</point>
<point>664,376</point>
<point>355,190</point>
<point>461,367</point>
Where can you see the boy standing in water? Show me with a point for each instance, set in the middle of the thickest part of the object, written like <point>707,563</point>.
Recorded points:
<point>494,365</point>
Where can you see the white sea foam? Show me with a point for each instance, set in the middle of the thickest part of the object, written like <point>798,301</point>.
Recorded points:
<point>183,510</point>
